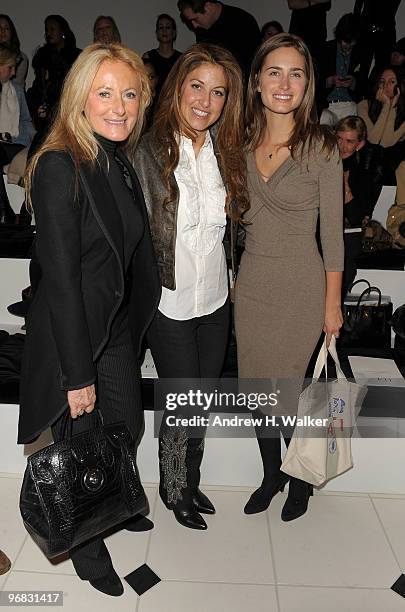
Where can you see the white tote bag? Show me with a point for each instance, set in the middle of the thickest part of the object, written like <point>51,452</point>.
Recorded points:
<point>320,448</point>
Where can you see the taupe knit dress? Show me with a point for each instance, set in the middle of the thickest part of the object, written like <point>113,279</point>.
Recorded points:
<point>280,290</point>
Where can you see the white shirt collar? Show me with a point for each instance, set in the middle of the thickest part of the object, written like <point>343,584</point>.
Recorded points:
<point>185,144</point>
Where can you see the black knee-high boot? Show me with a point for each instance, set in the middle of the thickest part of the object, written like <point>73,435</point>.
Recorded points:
<point>180,459</point>
<point>273,480</point>
<point>179,463</point>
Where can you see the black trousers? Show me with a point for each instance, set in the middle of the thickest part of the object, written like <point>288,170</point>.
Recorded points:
<point>310,24</point>
<point>194,348</point>
<point>377,45</point>
<point>118,399</point>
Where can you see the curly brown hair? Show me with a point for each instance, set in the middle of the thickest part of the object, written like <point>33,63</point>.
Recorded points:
<point>169,123</point>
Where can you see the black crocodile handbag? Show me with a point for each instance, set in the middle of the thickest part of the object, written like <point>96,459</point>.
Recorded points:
<point>81,486</point>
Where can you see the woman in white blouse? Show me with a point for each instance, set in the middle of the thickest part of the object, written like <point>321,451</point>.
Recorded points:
<point>189,178</point>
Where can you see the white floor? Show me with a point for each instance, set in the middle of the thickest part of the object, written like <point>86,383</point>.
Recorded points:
<point>342,556</point>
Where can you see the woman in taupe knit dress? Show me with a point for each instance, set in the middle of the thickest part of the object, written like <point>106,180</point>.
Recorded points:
<point>286,293</point>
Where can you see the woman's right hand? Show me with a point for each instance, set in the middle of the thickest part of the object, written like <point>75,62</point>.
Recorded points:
<point>81,401</point>
<point>381,96</point>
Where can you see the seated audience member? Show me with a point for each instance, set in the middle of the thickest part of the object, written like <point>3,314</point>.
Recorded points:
<point>105,30</point>
<point>165,56</point>
<point>340,85</point>
<point>153,81</point>
<point>9,38</point>
<point>51,63</point>
<point>224,25</point>
<point>362,181</point>
<point>16,129</point>
<point>384,115</point>
<point>384,111</point>
<point>271,28</point>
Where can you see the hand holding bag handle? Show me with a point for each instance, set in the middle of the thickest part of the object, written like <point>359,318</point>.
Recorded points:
<point>322,360</point>
<point>80,486</point>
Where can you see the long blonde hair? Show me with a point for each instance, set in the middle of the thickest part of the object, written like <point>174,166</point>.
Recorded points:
<point>71,130</point>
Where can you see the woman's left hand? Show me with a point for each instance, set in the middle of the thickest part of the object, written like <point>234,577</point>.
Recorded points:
<point>333,323</point>
<point>395,99</point>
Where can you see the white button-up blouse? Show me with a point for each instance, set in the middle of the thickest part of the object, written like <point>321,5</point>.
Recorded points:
<point>200,265</point>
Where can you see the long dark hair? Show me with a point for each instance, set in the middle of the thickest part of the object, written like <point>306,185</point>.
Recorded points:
<point>70,39</point>
<point>375,106</point>
<point>307,131</point>
<point>14,43</point>
<point>169,123</point>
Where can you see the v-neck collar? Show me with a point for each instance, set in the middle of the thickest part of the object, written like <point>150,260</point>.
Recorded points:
<point>261,186</point>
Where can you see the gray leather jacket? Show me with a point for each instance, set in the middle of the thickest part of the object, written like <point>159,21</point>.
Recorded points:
<point>148,165</point>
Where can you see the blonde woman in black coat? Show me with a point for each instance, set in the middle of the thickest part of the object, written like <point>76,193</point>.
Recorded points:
<point>97,266</point>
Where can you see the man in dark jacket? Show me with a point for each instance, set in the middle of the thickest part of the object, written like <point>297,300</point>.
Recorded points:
<point>362,182</point>
<point>224,25</point>
<point>341,85</point>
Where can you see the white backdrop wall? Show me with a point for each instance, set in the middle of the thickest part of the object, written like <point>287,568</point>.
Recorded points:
<point>136,19</point>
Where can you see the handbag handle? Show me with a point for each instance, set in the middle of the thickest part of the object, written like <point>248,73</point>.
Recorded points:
<point>68,423</point>
<point>368,291</point>
<point>361,280</point>
<point>322,360</point>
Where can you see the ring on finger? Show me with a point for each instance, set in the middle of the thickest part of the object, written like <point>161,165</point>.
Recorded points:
<point>80,413</point>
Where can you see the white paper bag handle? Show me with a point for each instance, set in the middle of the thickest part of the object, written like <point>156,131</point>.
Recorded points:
<point>322,360</point>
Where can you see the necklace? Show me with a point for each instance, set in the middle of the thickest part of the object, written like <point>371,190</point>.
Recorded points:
<point>275,151</point>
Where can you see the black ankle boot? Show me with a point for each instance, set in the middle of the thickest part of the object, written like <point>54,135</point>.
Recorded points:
<point>202,504</point>
<point>261,498</point>
<point>189,517</point>
<point>138,523</point>
<point>110,584</point>
<point>297,500</point>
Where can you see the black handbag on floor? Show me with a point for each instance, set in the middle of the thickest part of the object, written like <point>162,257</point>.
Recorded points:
<point>367,321</point>
<point>80,486</point>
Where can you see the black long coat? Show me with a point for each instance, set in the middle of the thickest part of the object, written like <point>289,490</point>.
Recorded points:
<point>79,246</point>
